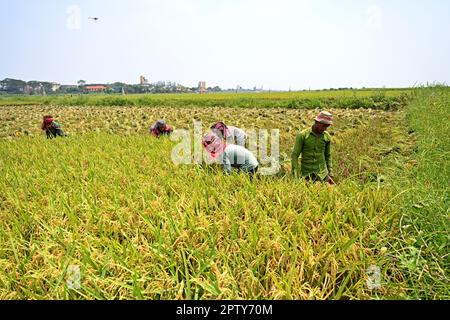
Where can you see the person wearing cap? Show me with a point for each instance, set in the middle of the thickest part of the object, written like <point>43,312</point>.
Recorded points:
<point>314,146</point>
<point>230,134</point>
<point>160,128</point>
<point>51,127</point>
<point>230,156</point>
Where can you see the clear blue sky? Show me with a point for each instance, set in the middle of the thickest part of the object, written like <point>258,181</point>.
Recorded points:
<point>280,44</point>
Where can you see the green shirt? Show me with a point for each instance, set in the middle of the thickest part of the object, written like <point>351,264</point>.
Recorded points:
<point>316,154</point>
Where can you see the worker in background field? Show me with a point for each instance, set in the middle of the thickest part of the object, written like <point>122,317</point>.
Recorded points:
<point>314,146</point>
<point>51,127</point>
<point>230,155</point>
<point>160,128</point>
<point>232,135</point>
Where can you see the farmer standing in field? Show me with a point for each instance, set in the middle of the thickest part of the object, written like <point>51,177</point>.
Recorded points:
<point>51,127</point>
<point>314,145</point>
<point>230,155</point>
<point>160,128</point>
<point>231,135</point>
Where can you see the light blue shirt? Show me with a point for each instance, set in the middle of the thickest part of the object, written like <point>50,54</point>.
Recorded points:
<point>238,157</point>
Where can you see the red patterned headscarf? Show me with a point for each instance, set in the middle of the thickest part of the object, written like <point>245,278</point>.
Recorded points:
<point>47,122</point>
<point>214,145</point>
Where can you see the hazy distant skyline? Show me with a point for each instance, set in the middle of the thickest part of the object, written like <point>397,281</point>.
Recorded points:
<point>297,44</point>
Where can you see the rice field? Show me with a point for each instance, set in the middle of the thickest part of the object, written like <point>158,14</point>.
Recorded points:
<point>385,99</point>
<point>108,200</point>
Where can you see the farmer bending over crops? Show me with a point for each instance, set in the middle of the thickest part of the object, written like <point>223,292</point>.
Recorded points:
<point>230,155</point>
<point>313,145</point>
<point>51,127</point>
<point>160,128</point>
<point>232,135</point>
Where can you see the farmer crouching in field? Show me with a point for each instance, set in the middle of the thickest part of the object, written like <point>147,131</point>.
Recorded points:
<point>232,135</point>
<point>160,128</point>
<point>51,127</point>
<point>230,155</point>
<point>314,145</point>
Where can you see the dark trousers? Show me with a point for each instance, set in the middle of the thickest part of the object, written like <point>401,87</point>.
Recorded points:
<point>53,133</point>
<point>313,178</point>
<point>252,173</point>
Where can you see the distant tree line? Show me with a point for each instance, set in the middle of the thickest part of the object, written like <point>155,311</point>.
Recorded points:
<point>13,86</point>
